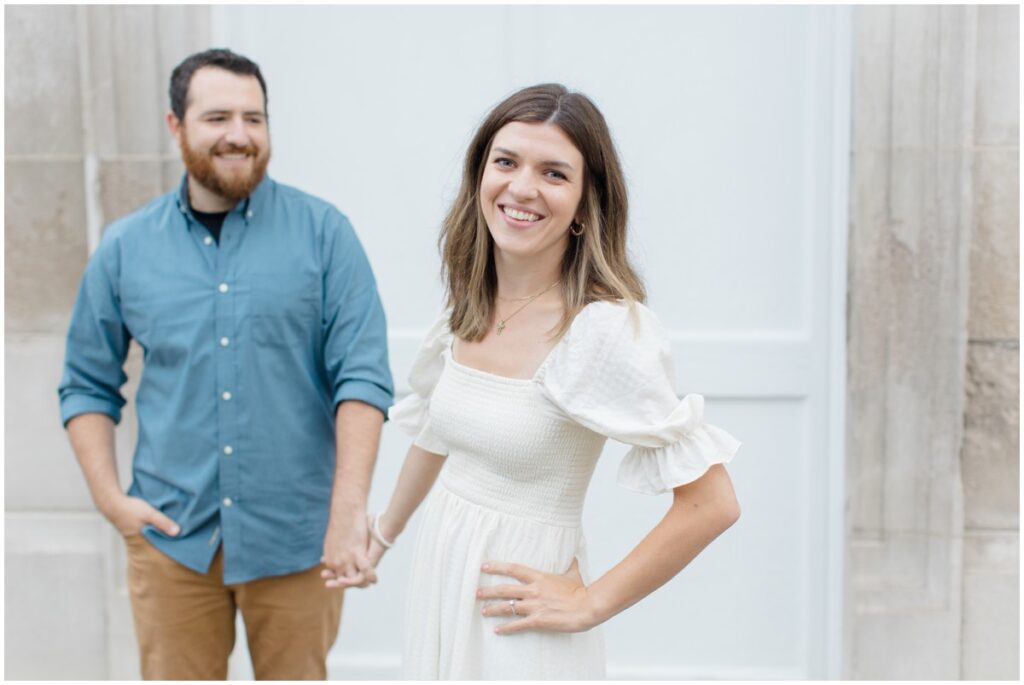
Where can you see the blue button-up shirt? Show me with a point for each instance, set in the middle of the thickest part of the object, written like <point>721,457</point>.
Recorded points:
<point>248,346</point>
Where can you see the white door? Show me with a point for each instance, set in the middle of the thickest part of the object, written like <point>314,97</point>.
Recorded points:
<point>732,126</point>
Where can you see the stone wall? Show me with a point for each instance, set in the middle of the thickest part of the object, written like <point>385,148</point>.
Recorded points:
<point>932,448</point>
<point>991,450</point>
<point>85,94</point>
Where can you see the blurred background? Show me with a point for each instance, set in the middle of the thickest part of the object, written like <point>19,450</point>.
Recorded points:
<point>824,205</point>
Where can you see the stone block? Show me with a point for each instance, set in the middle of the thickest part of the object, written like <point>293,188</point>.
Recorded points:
<point>128,110</point>
<point>184,30</point>
<point>872,74</point>
<point>953,59</point>
<point>930,80</point>
<point>911,646</point>
<point>102,84</point>
<point>915,76</point>
<point>124,651</point>
<point>45,243</point>
<point>991,627</point>
<point>868,317</point>
<point>991,451</point>
<point>995,246</point>
<point>172,171</point>
<point>42,100</point>
<point>35,445</point>
<point>997,104</point>
<point>55,595</point>
<point>126,185</point>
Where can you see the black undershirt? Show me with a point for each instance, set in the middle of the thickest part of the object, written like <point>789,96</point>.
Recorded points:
<point>212,220</point>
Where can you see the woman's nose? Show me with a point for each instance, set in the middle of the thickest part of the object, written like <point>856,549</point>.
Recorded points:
<point>522,188</point>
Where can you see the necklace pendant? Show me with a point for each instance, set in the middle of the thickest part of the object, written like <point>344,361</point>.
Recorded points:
<point>501,326</point>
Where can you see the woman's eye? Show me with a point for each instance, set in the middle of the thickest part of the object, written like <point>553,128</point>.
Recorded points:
<point>503,162</point>
<point>557,174</point>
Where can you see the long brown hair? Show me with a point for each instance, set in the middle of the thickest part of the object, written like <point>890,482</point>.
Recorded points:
<point>595,265</point>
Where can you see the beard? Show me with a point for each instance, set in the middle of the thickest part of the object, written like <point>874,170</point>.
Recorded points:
<point>233,186</point>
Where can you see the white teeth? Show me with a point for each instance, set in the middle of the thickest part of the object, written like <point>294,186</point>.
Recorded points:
<point>522,216</point>
<point>234,156</point>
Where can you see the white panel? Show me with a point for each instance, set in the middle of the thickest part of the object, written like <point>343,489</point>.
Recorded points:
<point>55,619</point>
<point>732,127</point>
<point>731,613</point>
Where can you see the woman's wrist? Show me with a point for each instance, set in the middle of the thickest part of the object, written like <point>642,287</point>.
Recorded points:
<point>387,525</point>
<point>597,610</point>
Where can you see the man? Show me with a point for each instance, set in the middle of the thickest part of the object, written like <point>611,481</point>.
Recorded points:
<point>265,354</point>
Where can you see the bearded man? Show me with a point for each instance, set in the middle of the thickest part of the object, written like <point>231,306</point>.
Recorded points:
<point>265,384</point>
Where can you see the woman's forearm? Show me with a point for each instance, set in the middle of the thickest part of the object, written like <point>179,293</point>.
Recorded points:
<point>700,512</point>
<point>414,482</point>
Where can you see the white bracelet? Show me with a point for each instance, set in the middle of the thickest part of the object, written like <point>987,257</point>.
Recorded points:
<point>375,531</point>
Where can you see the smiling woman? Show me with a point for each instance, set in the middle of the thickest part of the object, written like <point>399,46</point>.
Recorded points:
<point>545,352</point>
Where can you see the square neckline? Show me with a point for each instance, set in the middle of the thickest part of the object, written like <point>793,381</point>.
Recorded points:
<point>450,349</point>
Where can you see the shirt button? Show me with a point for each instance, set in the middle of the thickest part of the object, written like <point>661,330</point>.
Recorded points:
<point>207,240</point>
<point>248,215</point>
<point>223,287</point>
<point>228,449</point>
<point>227,501</point>
<point>224,342</point>
<point>226,396</point>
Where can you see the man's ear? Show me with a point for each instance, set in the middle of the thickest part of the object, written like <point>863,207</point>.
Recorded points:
<point>174,126</point>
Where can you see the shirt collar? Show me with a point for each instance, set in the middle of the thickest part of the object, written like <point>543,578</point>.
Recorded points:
<point>248,207</point>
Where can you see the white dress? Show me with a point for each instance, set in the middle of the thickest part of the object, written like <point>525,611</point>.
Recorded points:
<point>520,456</point>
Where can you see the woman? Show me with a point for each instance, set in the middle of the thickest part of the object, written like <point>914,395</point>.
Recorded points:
<point>545,351</point>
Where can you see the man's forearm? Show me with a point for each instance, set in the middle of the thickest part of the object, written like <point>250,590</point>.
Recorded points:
<point>92,439</point>
<point>357,438</point>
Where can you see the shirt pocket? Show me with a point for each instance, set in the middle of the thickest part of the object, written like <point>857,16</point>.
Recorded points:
<point>285,310</point>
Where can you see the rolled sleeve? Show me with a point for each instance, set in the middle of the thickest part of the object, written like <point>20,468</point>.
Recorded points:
<point>97,344</point>
<point>355,331</point>
<point>74,405</point>
<point>370,393</point>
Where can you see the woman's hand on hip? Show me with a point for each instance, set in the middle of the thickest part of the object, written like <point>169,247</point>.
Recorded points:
<point>543,601</point>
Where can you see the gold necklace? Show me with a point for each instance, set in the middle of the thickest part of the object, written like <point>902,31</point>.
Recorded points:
<point>503,322</point>
<point>514,299</point>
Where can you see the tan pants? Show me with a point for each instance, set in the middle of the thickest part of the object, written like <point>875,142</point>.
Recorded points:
<point>185,621</point>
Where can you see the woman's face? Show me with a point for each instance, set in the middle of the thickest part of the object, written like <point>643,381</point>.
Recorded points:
<point>531,189</point>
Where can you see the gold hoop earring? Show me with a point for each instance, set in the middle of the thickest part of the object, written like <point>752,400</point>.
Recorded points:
<point>577,228</point>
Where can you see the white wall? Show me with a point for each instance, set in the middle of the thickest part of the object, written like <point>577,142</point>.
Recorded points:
<point>732,126</point>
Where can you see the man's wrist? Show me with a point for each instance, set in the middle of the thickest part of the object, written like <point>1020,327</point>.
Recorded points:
<point>348,508</point>
<point>107,501</point>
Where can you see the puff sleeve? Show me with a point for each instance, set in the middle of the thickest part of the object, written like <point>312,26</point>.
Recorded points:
<point>412,413</point>
<point>614,375</point>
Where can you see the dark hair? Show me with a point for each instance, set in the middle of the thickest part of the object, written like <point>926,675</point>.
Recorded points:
<point>221,58</point>
<point>595,265</point>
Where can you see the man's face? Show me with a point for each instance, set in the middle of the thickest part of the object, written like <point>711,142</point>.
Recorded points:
<point>224,139</point>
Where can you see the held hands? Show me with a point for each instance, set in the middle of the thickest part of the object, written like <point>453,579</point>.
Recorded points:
<point>373,551</point>
<point>345,552</point>
<point>544,601</point>
<point>130,514</point>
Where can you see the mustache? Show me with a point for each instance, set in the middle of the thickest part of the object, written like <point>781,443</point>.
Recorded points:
<point>231,149</point>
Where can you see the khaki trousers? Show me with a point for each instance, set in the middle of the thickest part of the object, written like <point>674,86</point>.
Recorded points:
<point>185,621</point>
